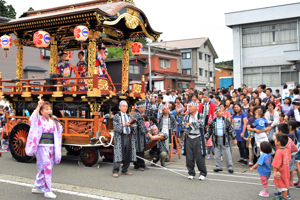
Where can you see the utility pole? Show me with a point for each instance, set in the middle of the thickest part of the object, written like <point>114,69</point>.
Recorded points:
<point>149,61</point>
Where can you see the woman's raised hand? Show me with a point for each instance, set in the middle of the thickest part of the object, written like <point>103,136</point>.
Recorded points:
<point>40,103</point>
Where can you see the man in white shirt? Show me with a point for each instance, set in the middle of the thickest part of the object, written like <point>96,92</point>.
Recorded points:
<point>124,147</point>
<point>173,96</point>
<point>285,92</point>
<point>260,90</point>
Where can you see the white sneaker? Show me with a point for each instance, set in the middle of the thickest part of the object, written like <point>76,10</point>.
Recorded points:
<point>221,158</point>
<point>50,195</point>
<point>191,177</point>
<point>202,178</point>
<point>36,191</point>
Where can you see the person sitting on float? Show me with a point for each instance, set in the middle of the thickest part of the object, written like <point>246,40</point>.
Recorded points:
<point>64,68</point>
<point>100,64</point>
<point>82,69</point>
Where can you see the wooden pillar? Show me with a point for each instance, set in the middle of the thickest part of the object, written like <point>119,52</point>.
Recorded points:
<point>53,56</point>
<point>91,59</point>
<point>19,65</point>
<point>125,66</point>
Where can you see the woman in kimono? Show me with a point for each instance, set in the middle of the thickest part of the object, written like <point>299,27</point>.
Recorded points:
<point>82,69</point>
<point>64,68</point>
<point>100,64</point>
<point>44,141</point>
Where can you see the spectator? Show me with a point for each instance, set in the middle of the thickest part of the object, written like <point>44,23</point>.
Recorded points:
<point>287,106</point>
<point>285,92</point>
<point>257,102</point>
<point>239,122</point>
<point>267,98</point>
<point>261,93</point>
<point>245,104</point>
<point>186,98</point>
<point>228,108</point>
<point>272,117</point>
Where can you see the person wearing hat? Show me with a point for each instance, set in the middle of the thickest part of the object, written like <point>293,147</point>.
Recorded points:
<point>124,147</point>
<point>194,144</point>
<point>64,68</point>
<point>100,64</point>
<point>140,135</point>
<point>160,150</point>
<point>221,130</point>
<point>207,108</point>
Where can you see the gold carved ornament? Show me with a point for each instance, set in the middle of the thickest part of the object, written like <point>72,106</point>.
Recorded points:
<point>125,65</point>
<point>19,63</point>
<point>95,107</point>
<point>130,1</point>
<point>137,88</point>
<point>53,56</point>
<point>91,59</point>
<point>102,84</point>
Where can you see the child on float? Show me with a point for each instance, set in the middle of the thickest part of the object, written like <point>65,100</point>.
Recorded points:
<point>44,141</point>
<point>264,166</point>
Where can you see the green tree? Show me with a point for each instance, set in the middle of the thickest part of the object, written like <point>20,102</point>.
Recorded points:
<point>7,10</point>
<point>30,9</point>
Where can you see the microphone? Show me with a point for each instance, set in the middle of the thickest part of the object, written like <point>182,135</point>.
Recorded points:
<point>50,115</point>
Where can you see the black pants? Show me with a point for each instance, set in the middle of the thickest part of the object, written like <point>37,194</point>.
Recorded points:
<point>243,150</point>
<point>139,162</point>
<point>126,162</point>
<point>193,152</point>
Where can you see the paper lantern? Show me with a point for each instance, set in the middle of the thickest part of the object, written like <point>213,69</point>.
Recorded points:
<point>6,42</point>
<point>70,54</point>
<point>136,49</point>
<point>81,34</point>
<point>41,39</point>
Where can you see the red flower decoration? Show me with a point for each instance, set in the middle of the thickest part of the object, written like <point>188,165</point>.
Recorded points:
<point>37,39</point>
<point>136,48</point>
<point>77,32</point>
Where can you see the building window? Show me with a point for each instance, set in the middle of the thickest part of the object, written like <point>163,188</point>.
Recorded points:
<point>185,85</point>
<point>289,75</point>
<point>252,76</point>
<point>200,72</point>
<point>288,33</point>
<point>186,71</point>
<point>205,73</point>
<point>269,35</point>
<point>270,76</point>
<point>200,55</point>
<point>186,55</point>
<point>205,57</point>
<point>179,85</point>
<point>205,45</point>
<point>283,33</point>
<point>164,64</point>
<point>208,58</point>
<point>46,53</point>
<point>210,74</point>
<point>251,37</point>
<point>134,69</point>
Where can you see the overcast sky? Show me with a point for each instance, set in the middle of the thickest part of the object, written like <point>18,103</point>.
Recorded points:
<point>179,19</point>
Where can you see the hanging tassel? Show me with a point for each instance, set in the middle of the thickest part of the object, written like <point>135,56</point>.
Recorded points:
<point>81,47</point>
<point>136,60</point>
<point>41,55</point>
<point>6,54</point>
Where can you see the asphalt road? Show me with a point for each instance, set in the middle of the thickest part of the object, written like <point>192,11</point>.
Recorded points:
<point>71,181</point>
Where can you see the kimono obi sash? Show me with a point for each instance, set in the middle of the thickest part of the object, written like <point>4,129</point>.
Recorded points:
<point>47,138</point>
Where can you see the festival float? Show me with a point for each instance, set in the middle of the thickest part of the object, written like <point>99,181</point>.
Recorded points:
<point>86,116</point>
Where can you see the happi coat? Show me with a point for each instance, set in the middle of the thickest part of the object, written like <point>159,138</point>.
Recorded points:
<point>171,125</point>
<point>140,131</point>
<point>119,152</point>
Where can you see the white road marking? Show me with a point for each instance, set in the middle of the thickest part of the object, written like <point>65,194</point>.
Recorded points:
<point>59,190</point>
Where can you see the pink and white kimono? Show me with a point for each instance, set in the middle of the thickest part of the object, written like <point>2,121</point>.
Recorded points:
<point>46,154</point>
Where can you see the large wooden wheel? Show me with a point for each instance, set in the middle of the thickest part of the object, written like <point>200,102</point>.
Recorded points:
<point>17,142</point>
<point>73,150</point>
<point>89,156</point>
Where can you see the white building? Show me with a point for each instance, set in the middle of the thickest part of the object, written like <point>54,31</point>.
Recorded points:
<point>265,45</point>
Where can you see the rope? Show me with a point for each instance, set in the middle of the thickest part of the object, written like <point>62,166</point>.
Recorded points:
<point>162,167</point>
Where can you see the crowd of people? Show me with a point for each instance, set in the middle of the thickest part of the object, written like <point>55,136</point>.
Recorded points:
<point>262,123</point>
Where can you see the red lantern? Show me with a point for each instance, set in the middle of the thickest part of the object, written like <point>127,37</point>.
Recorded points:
<point>136,49</point>
<point>6,43</point>
<point>41,39</point>
<point>81,33</point>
